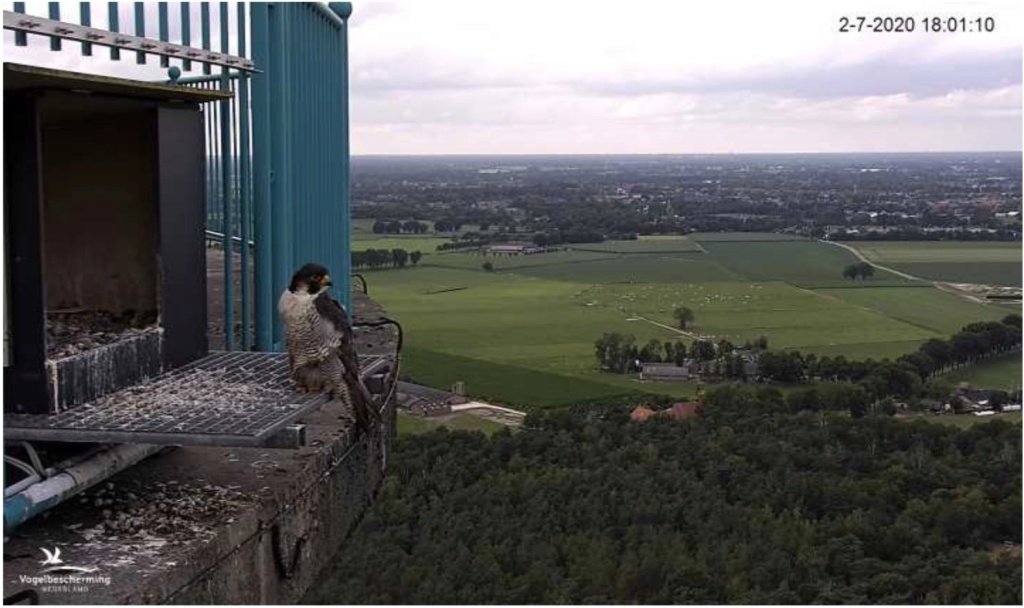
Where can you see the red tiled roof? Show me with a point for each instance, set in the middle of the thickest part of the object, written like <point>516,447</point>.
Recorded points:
<point>682,409</point>
<point>641,413</point>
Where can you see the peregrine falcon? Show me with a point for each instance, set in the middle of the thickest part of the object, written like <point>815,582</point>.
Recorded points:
<point>321,355</point>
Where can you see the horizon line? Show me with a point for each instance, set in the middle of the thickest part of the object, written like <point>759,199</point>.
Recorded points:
<point>907,152</point>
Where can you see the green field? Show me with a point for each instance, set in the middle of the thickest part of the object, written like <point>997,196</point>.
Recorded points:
<point>964,421</point>
<point>650,268</point>
<point>678,244</point>
<point>732,237</point>
<point>524,334</point>
<point>952,261</point>
<point>473,260</point>
<point>499,382</point>
<point>999,373</point>
<point>424,244</point>
<point>802,263</point>
<point>919,305</point>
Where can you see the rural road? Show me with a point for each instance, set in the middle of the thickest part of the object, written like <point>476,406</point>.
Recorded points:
<point>937,284</point>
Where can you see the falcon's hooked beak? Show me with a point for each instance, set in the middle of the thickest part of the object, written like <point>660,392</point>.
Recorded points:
<point>325,281</point>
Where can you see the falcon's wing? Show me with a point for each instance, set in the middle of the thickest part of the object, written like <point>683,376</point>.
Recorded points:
<point>330,310</point>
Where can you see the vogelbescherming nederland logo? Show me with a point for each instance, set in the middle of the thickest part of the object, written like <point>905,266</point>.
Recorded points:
<point>59,575</point>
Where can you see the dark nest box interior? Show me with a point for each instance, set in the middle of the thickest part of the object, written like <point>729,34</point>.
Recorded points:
<point>104,218</point>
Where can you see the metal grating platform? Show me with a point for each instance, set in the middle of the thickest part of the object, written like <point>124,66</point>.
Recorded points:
<point>224,399</point>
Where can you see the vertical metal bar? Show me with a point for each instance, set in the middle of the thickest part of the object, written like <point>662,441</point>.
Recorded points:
<point>204,17</point>
<point>20,38</point>
<point>281,154</point>
<point>113,25</point>
<point>344,10</point>
<point>262,112</point>
<point>164,31</point>
<point>226,189</point>
<point>85,10</point>
<point>212,209</point>
<point>140,29</point>
<point>186,33</point>
<point>55,15</point>
<point>244,171</point>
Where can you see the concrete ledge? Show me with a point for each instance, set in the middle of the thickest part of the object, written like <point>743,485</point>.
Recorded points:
<point>205,525</point>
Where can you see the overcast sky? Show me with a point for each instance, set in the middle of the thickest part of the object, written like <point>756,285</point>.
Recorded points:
<point>443,77</point>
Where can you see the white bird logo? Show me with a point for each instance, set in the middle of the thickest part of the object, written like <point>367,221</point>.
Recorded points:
<point>52,559</point>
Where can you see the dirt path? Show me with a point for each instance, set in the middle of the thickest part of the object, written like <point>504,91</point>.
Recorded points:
<point>495,413</point>
<point>677,330</point>
<point>860,256</point>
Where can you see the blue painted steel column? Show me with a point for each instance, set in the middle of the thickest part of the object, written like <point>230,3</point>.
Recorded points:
<point>140,29</point>
<point>20,38</point>
<point>164,31</point>
<point>55,15</point>
<point>114,25</point>
<point>204,23</point>
<point>281,155</point>
<point>85,10</point>
<point>227,191</point>
<point>186,32</point>
<point>264,305</point>
<point>344,10</point>
<point>244,173</point>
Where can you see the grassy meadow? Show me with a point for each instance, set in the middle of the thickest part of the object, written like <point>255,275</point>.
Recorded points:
<point>998,373</point>
<point>524,334</point>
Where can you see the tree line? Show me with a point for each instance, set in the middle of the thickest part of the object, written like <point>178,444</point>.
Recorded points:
<point>385,258</point>
<point>745,503</point>
<point>619,353</point>
<point>399,227</point>
<point>910,376</point>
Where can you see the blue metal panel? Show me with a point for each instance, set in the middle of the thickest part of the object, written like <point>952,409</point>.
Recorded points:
<point>245,177</point>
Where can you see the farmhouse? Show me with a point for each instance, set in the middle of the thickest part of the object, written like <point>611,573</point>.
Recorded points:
<point>513,249</point>
<point>664,371</point>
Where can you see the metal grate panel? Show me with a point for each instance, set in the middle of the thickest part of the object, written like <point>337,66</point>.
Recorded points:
<point>224,399</point>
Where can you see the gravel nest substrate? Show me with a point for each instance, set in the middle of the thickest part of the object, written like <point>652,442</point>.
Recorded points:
<point>69,334</point>
<point>160,513</point>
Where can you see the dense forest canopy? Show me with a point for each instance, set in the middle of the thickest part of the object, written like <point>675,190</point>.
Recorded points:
<point>745,503</point>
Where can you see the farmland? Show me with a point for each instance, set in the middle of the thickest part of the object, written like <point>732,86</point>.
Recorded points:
<point>957,262</point>
<point>998,373</point>
<point>524,333</point>
<point>414,425</point>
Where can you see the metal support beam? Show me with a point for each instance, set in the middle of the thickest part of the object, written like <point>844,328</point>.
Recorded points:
<point>80,33</point>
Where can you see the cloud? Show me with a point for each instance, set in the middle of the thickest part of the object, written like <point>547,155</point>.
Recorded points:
<point>872,78</point>
<point>651,76</point>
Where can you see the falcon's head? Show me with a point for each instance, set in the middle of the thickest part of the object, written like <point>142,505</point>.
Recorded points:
<point>311,278</point>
